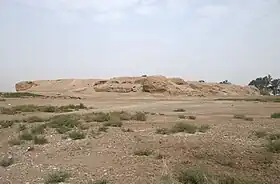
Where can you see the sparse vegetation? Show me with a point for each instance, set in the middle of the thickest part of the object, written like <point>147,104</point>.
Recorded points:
<point>179,110</point>
<point>64,123</point>
<point>273,146</point>
<point>103,129</point>
<point>203,128</point>
<point>260,133</point>
<point>143,152</point>
<point>99,182</point>
<point>113,123</point>
<point>163,131</point>
<point>192,117</point>
<point>183,127</point>
<point>40,140</point>
<point>243,117</point>
<point>127,130</point>
<point>6,124</point>
<point>275,115</point>
<point>22,127</point>
<point>33,119</point>
<point>2,100</point>
<point>14,141</point>
<point>181,116</point>
<point>57,177</point>
<point>35,108</point>
<point>38,129</point>
<point>76,135</point>
<point>6,161</point>
<point>19,95</point>
<point>274,136</point>
<point>139,116</point>
<point>26,136</point>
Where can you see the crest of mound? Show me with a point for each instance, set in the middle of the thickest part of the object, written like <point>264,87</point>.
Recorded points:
<point>142,84</point>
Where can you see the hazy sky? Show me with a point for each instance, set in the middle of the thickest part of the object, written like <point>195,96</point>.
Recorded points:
<point>213,40</point>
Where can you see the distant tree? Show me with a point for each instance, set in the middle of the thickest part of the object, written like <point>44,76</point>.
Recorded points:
<point>266,85</point>
<point>225,82</point>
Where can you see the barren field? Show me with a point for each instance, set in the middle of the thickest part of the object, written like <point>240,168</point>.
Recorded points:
<point>130,139</point>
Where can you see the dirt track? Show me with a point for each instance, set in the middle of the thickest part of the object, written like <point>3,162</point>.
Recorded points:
<point>228,147</point>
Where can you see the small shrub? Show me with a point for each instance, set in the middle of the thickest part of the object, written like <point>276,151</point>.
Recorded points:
<point>192,117</point>
<point>64,122</point>
<point>139,116</point>
<point>8,111</point>
<point>76,135</point>
<point>183,127</point>
<point>57,177</point>
<point>103,129</point>
<point>40,140</point>
<point>275,115</point>
<point>62,130</point>
<point>14,141</point>
<point>33,119</point>
<point>203,128</point>
<point>18,95</point>
<point>113,123</point>
<point>22,127</point>
<point>101,117</point>
<point>163,131</point>
<point>127,130</point>
<point>193,176</point>
<point>182,116</point>
<point>125,116</point>
<point>144,152</point>
<point>273,146</point>
<point>260,133</point>
<point>274,136</point>
<point>6,124</point>
<point>38,129</point>
<point>26,135</point>
<point>2,100</point>
<point>239,116</point>
<point>6,161</point>
<point>179,110</point>
<point>98,182</point>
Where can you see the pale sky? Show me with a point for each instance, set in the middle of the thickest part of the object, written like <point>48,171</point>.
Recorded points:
<point>213,40</point>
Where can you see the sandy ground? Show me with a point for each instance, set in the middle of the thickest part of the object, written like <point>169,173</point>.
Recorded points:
<point>228,147</point>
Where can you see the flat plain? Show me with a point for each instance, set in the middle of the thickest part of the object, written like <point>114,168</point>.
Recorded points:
<point>138,139</point>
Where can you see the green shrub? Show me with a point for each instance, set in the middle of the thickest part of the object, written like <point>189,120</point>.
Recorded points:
<point>14,141</point>
<point>183,127</point>
<point>275,115</point>
<point>139,116</point>
<point>203,128</point>
<point>192,117</point>
<point>76,135</point>
<point>274,136</point>
<point>64,123</point>
<point>25,135</point>
<point>57,177</point>
<point>6,161</point>
<point>40,140</point>
<point>19,95</point>
<point>273,146</point>
<point>113,123</point>
<point>38,129</point>
<point>181,116</point>
<point>144,152</point>
<point>6,124</point>
<point>193,176</point>
<point>163,131</point>
<point>260,133</point>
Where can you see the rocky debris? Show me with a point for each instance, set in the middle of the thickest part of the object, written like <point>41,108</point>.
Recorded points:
<point>25,85</point>
<point>177,81</point>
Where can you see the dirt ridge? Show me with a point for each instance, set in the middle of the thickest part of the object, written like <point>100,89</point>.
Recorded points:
<point>142,84</point>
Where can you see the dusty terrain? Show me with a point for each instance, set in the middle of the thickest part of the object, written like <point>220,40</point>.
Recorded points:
<point>229,146</point>
<point>138,85</point>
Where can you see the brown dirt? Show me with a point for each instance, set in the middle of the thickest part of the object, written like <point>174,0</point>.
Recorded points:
<point>229,147</point>
<point>150,84</point>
